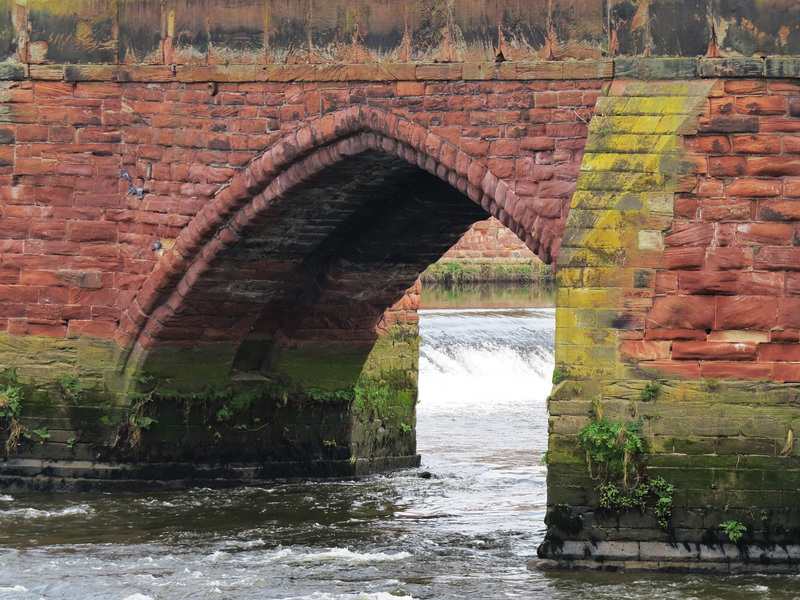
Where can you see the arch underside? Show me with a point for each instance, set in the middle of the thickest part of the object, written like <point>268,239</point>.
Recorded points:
<point>312,272</point>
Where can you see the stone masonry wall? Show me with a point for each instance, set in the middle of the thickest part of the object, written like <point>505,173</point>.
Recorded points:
<point>78,247</point>
<point>728,305</point>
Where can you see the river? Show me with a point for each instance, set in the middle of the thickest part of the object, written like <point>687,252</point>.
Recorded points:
<point>462,526</point>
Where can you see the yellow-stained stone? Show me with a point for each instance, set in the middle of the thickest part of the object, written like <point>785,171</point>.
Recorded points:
<point>633,220</point>
<point>585,298</point>
<point>634,182</point>
<point>587,356</point>
<point>668,88</point>
<point>594,219</point>
<point>661,105</point>
<point>640,163</point>
<point>608,278</point>
<point>677,124</point>
<point>593,238</point>
<point>573,257</point>
<point>663,144</point>
<point>579,336</point>
<point>624,196</point>
<point>585,318</point>
<point>593,200</point>
<point>604,257</point>
<point>566,317</point>
<point>649,124</point>
<point>569,277</point>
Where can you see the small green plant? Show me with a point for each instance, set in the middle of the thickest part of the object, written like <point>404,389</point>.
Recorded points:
<point>329,443</point>
<point>105,420</point>
<point>71,389</point>
<point>612,446</point>
<point>225,413</point>
<point>371,397</point>
<point>663,508</point>
<point>651,391</point>
<point>143,422</point>
<point>43,434</point>
<point>142,378</point>
<point>405,427</point>
<point>655,493</point>
<point>558,376</point>
<point>142,417</point>
<point>319,396</point>
<point>734,530</point>
<point>10,409</point>
<point>616,449</point>
<point>71,442</point>
<point>545,458</point>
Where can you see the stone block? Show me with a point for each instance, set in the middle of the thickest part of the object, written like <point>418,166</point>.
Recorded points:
<point>11,71</point>
<point>615,550</point>
<point>778,66</point>
<point>731,67</point>
<point>668,68</point>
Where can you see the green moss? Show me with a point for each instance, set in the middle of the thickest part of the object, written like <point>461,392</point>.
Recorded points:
<point>329,367</point>
<point>561,517</point>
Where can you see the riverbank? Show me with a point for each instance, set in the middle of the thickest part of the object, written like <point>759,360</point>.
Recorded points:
<point>476,295</point>
<point>450,271</point>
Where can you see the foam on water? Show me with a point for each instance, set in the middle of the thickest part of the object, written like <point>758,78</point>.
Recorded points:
<point>35,513</point>
<point>347,555</point>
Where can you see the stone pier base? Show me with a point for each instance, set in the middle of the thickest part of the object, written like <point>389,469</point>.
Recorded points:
<point>673,558</point>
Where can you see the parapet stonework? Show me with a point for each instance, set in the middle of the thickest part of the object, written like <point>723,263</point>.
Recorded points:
<point>208,251</point>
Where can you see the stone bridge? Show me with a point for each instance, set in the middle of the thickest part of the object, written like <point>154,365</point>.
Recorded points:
<point>214,213</point>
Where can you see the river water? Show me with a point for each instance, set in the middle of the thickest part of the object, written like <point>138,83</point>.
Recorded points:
<point>461,526</point>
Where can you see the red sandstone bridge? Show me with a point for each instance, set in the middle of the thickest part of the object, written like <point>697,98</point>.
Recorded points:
<point>213,215</point>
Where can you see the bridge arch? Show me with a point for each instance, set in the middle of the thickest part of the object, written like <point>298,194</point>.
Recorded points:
<point>161,311</point>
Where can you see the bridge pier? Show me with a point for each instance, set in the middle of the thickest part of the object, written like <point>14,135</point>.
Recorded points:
<point>662,455</point>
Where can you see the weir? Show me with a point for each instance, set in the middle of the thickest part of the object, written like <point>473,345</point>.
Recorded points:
<point>242,304</point>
